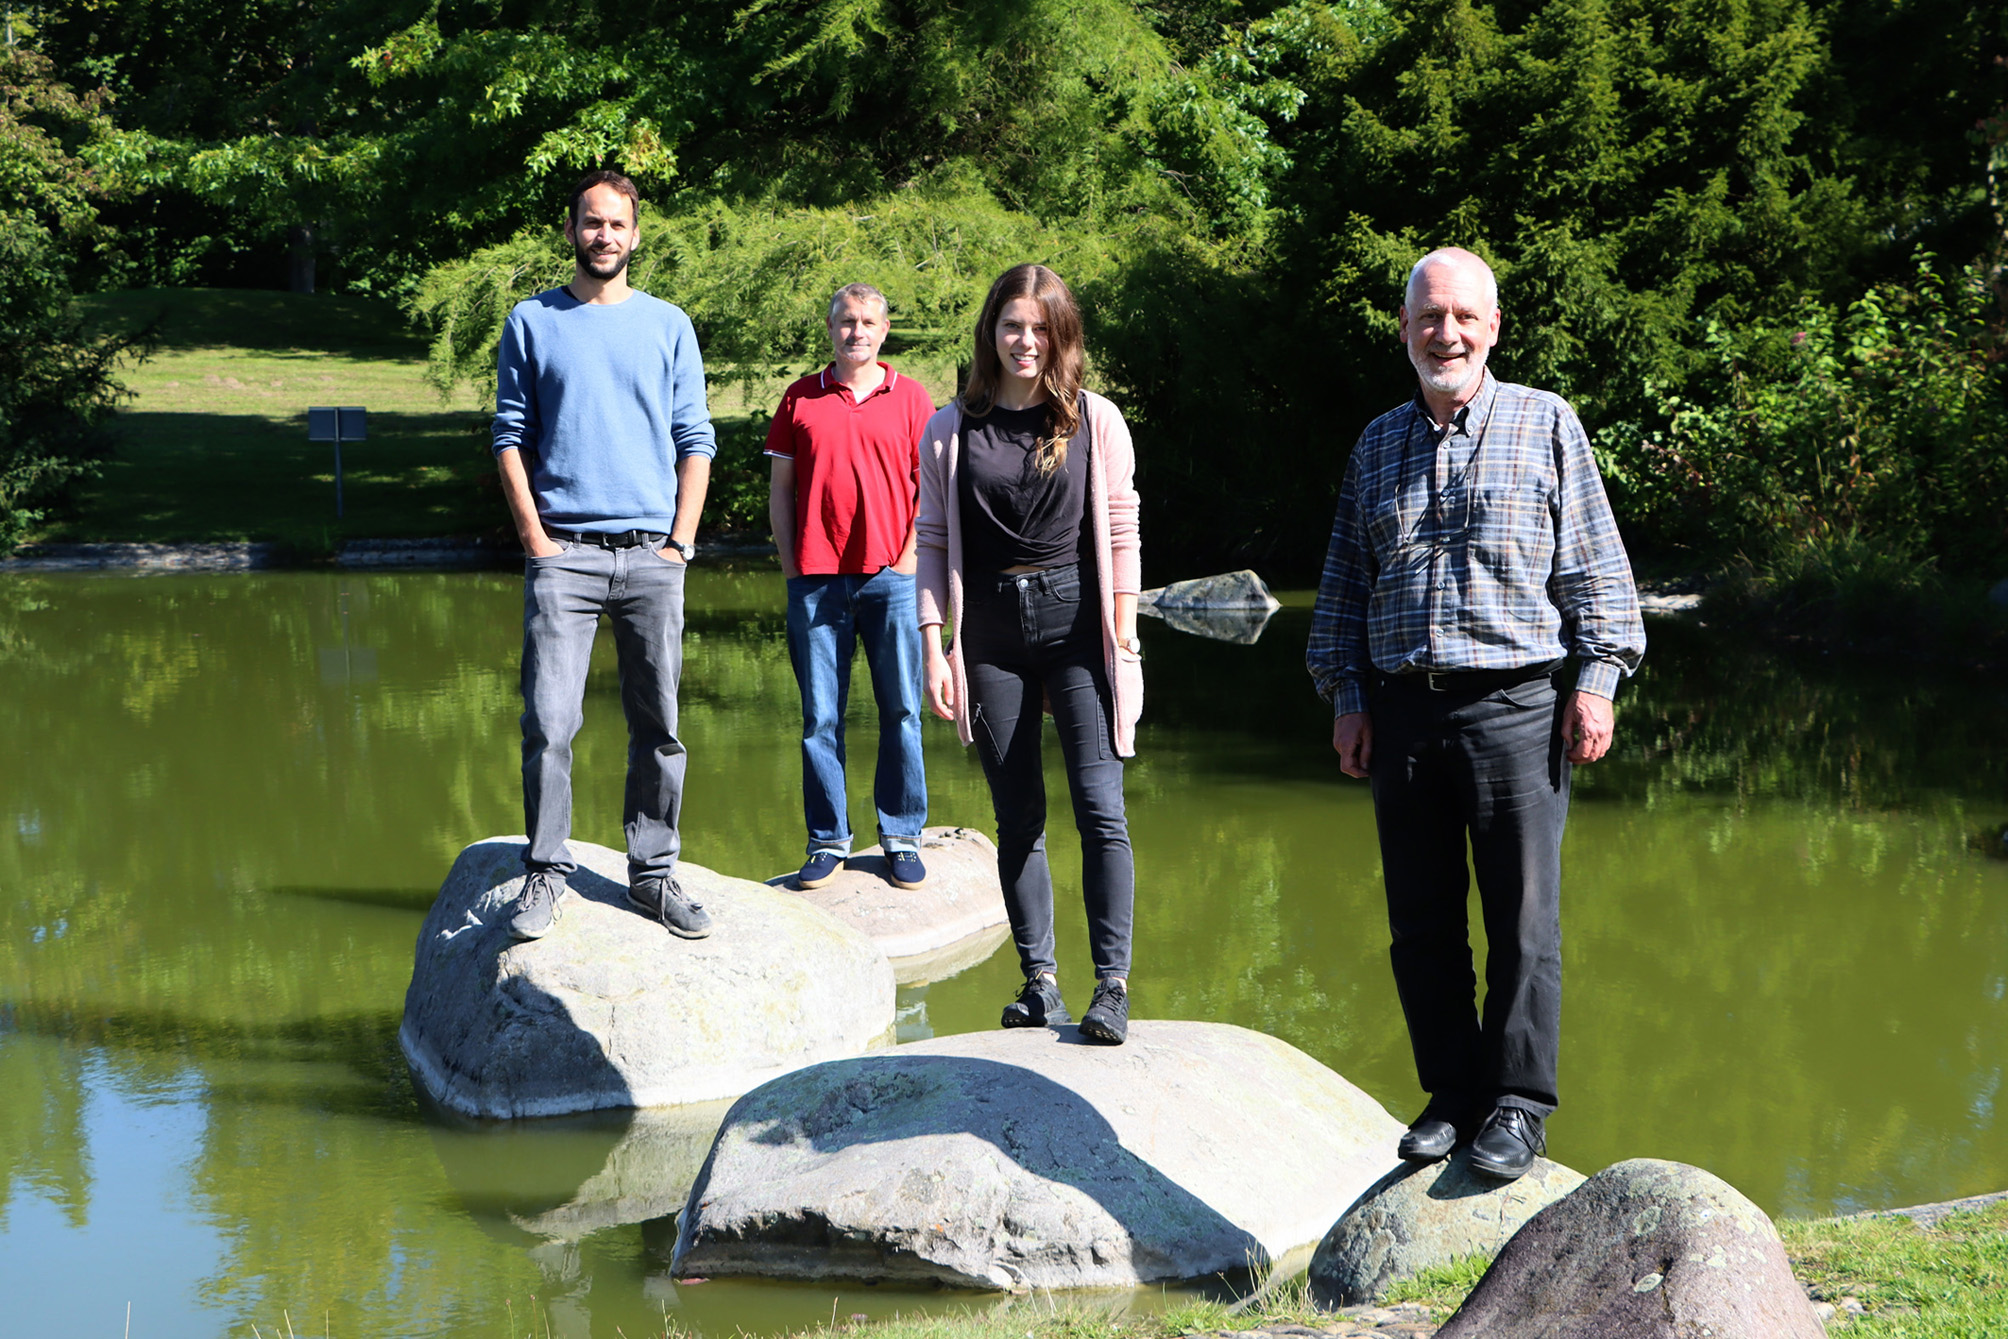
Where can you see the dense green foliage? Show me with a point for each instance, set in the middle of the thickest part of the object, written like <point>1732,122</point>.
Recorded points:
<point>1669,191</point>
<point>57,383</point>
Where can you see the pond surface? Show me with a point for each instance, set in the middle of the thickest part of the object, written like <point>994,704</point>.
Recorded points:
<point>227,801</point>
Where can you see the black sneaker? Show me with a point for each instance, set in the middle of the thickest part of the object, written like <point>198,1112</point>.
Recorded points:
<point>663,898</point>
<point>905,869</point>
<point>1107,1018</point>
<point>537,905</point>
<point>1037,1005</point>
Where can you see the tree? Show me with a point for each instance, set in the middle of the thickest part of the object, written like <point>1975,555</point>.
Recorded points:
<point>57,383</point>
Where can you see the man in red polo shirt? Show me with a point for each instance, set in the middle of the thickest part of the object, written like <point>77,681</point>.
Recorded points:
<point>846,460</point>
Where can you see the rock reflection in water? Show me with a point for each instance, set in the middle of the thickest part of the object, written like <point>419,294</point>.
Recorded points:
<point>1231,607</point>
<point>561,1178</point>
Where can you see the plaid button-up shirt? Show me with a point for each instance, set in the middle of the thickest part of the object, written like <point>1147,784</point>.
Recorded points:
<point>1485,545</point>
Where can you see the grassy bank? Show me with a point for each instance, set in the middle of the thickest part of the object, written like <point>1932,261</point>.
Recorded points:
<point>1887,1278</point>
<point>213,446</point>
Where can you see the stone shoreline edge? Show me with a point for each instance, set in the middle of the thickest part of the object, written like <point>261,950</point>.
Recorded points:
<point>450,551</point>
<point>265,556</point>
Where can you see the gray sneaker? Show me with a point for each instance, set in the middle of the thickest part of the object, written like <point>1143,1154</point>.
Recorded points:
<point>537,905</point>
<point>663,898</point>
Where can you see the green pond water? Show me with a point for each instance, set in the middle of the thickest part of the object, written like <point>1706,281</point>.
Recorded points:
<point>226,802</point>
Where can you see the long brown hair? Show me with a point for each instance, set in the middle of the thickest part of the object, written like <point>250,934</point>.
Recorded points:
<point>1059,378</point>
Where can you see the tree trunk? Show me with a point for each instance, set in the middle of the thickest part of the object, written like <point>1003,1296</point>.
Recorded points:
<point>300,260</point>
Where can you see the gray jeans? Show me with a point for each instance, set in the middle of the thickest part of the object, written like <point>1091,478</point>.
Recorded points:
<point>641,594</point>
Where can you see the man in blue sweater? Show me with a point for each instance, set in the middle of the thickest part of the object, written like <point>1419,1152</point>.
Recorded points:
<point>605,445</point>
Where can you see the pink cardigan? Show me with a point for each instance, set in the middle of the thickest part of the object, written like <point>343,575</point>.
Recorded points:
<point>1112,504</point>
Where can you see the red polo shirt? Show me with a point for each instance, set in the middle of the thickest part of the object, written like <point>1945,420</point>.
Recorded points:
<point>857,469</point>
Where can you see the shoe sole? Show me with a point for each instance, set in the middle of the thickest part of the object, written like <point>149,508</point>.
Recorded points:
<point>810,885</point>
<point>1102,1032</point>
<point>1497,1171</point>
<point>909,887</point>
<point>530,936</point>
<point>656,916</point>
<point>1050,1020</point>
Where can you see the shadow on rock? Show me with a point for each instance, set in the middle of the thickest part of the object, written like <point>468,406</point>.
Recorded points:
<point>1036,1160</point>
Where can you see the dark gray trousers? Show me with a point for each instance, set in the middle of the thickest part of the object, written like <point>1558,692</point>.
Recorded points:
<point>1490,768</point>
<point>641,594</point>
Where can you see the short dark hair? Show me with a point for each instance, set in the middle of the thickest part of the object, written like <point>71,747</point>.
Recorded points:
<point>604,177</point>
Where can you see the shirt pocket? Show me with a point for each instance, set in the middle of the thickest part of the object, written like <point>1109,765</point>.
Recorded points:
<point>1513,530</point>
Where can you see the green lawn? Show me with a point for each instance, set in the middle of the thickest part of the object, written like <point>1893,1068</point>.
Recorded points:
<point>214,444</point>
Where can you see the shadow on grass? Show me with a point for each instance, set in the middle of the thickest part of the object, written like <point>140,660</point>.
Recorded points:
<point>195,477</point>
<point>192,318</point>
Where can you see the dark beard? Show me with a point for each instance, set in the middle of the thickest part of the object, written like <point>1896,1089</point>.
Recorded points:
<point>587,262</point>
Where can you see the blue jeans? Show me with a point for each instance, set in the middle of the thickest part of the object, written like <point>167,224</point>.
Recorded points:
<point>564,595</point>
<point>1023,638</point>
<point>827,617</point>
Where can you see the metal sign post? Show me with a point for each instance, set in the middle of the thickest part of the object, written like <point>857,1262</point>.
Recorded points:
<point>348,423</point>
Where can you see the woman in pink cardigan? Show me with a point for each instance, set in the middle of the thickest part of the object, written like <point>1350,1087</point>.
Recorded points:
<point>1029,559</point>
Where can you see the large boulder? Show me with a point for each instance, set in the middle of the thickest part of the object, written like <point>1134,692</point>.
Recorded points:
<point>1421,1215</point>
<point>1032,1159</point>
<point>610,1010</point>
<point>929,932</point>
<point>1642,1250</point>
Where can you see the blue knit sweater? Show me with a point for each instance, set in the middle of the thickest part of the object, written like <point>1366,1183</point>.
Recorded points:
<point>608,398</point>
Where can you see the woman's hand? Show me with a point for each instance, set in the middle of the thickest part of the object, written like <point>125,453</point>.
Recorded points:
<point>940,679</point>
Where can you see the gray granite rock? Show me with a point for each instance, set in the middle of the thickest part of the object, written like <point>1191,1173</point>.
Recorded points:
<point>1229,590</point>
<point>610,1010</point>
<point>1231,607</point>
<point>920,929</point>
<point>1642,1250</point>
<point>1421,1215</point>
<point>1031,1159</point>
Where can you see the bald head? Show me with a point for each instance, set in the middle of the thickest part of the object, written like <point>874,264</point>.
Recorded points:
<point>1454,258</point>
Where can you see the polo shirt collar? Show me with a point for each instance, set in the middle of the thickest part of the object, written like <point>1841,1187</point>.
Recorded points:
<point>886,383</point>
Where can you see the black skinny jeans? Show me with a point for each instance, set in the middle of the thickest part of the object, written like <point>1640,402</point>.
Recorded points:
<point>1024,637</point>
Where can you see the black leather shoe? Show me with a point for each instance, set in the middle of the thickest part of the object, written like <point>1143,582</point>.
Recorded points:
<point>1507,1143</point>
<point>1428,1140</point>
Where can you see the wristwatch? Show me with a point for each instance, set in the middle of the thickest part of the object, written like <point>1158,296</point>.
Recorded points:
<point>688,551</point>
<point>1133,645</point>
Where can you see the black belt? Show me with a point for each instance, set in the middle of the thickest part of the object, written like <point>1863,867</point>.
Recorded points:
<point>1468,681</point>
<point>625,539</point>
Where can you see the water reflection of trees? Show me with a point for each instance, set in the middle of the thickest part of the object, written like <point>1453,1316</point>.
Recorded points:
<point>223,825</point>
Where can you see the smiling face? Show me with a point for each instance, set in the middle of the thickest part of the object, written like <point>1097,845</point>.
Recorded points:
<point>1022,342</point>
<point>857,329</point>
<point>1450,321</point>
<point>602,233</point>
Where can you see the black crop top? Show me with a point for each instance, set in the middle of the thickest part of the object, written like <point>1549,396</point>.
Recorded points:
<point>1012,515</point>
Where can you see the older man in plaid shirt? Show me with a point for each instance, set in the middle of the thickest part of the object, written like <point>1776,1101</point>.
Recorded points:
<point>1474,568</point>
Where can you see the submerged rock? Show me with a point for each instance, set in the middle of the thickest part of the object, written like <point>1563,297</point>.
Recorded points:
<point>1642,1250</point>
<point>1231,607</point>
<point>1421,1215</point>
<point>1032,1159</point>
<point>920,929</point>
<point>610,1010</point>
